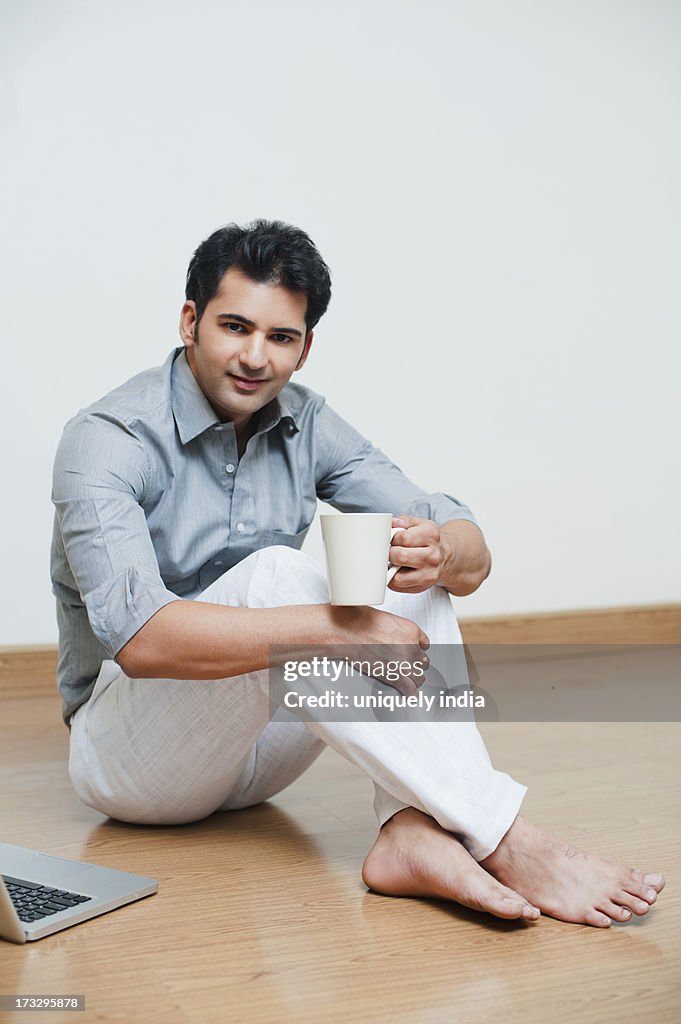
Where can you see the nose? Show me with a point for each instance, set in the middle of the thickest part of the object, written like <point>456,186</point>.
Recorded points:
<point>253,354</point>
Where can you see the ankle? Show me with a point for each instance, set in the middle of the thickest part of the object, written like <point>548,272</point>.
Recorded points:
<point>508,844</point>
<point>404,818</point>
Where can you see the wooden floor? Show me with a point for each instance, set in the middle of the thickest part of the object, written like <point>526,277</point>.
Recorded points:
<point>261,914</point>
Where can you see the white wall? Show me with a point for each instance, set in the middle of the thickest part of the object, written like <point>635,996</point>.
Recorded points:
<point>496,189</point>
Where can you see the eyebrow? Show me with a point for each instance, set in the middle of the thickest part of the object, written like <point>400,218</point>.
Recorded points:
<point>251,323</point>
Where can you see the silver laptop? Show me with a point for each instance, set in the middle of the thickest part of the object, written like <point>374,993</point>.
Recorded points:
<point>41,894</point>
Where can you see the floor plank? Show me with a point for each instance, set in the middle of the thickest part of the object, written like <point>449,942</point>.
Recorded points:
<point>262,916</point>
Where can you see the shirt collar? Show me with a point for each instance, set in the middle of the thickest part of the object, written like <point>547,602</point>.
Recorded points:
<point>194,413</point>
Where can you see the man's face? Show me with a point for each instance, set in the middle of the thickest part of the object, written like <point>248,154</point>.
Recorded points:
<point>251,338</point>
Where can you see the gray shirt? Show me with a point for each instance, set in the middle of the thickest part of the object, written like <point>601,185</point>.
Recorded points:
<point>153,504</point>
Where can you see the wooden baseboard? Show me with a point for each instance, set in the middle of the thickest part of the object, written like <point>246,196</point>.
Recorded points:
<point>31,671</point>
<point>643,624</point>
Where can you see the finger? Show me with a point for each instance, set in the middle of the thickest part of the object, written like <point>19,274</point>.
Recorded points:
<point>412,669</point>
<point>413,682</point>
<point>412,590</point>
<point>414,557</point>
<point>408,687</point>
<point>420,663</point>
<point>421,667</point>
<point>399,589</point>
<point>408,580</point>
<point>421,535</point>
<point>418,533</point>
<point>403,684</point>
<point>423,559</point>
<point>406,520</point>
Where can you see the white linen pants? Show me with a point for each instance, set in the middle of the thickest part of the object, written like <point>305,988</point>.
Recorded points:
<point>166,751</point>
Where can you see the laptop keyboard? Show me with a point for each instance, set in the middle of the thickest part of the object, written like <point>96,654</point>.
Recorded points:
<point>33,901</point>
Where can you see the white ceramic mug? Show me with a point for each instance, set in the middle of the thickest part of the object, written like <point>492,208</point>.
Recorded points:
<point>356,545</point>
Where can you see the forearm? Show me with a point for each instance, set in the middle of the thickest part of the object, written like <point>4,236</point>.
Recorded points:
<point>197,640</point>
<point>467,561</point>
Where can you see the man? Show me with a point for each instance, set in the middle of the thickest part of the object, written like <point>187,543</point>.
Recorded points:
<point>181,500</point>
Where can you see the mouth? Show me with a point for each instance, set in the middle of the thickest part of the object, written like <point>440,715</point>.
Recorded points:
<point>245,384</point>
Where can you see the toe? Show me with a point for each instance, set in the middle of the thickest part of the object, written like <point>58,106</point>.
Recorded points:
<point>638,889</point>
<point>614,911</point>
<point>638,906</point>
<point>503,905</point>
<point>597,919</point>
<point>513,903</point>
<point>652,880</point>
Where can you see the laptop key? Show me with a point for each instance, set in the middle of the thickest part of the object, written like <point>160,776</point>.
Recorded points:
<point>21,882</point>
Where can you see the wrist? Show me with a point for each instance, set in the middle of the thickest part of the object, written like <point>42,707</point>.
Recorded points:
<point>466,560</point>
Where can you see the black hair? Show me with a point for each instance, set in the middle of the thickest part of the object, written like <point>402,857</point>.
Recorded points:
<point>268,251</point>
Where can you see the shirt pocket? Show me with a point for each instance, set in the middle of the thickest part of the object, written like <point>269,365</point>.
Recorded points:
<point>288,540</point>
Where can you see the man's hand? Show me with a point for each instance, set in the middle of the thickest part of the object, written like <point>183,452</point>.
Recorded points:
<point>419,551</point>
<point>453,556</point>
<point>363,633</point>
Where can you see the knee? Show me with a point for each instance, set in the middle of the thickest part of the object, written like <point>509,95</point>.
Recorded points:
<point>293,575</point>
<point>289,558</point>
<point>249,582</point>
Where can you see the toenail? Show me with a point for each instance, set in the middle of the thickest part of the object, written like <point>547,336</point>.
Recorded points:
<point>651,894</point>
<point>625,912</point>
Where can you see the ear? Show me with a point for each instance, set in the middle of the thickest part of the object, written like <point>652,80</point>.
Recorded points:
<point>305,352</point>
<point>188,323</point>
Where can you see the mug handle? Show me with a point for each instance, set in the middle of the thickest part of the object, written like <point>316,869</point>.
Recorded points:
<point>393,568</point>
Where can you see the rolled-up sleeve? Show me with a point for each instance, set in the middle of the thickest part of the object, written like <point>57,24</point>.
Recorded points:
<point>354,476</point>
<point>99,481</point>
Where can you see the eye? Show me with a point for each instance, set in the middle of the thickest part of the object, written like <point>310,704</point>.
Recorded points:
<point>234,328</point>
<point>282,337</point>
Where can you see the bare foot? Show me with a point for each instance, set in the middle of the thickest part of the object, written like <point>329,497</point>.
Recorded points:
<point>568,883</point>
<point>413,856</point>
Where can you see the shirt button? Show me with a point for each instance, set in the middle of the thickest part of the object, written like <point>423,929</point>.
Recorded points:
<point>240,527</point>
<point>229,468</point>
<point>219,426</point>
